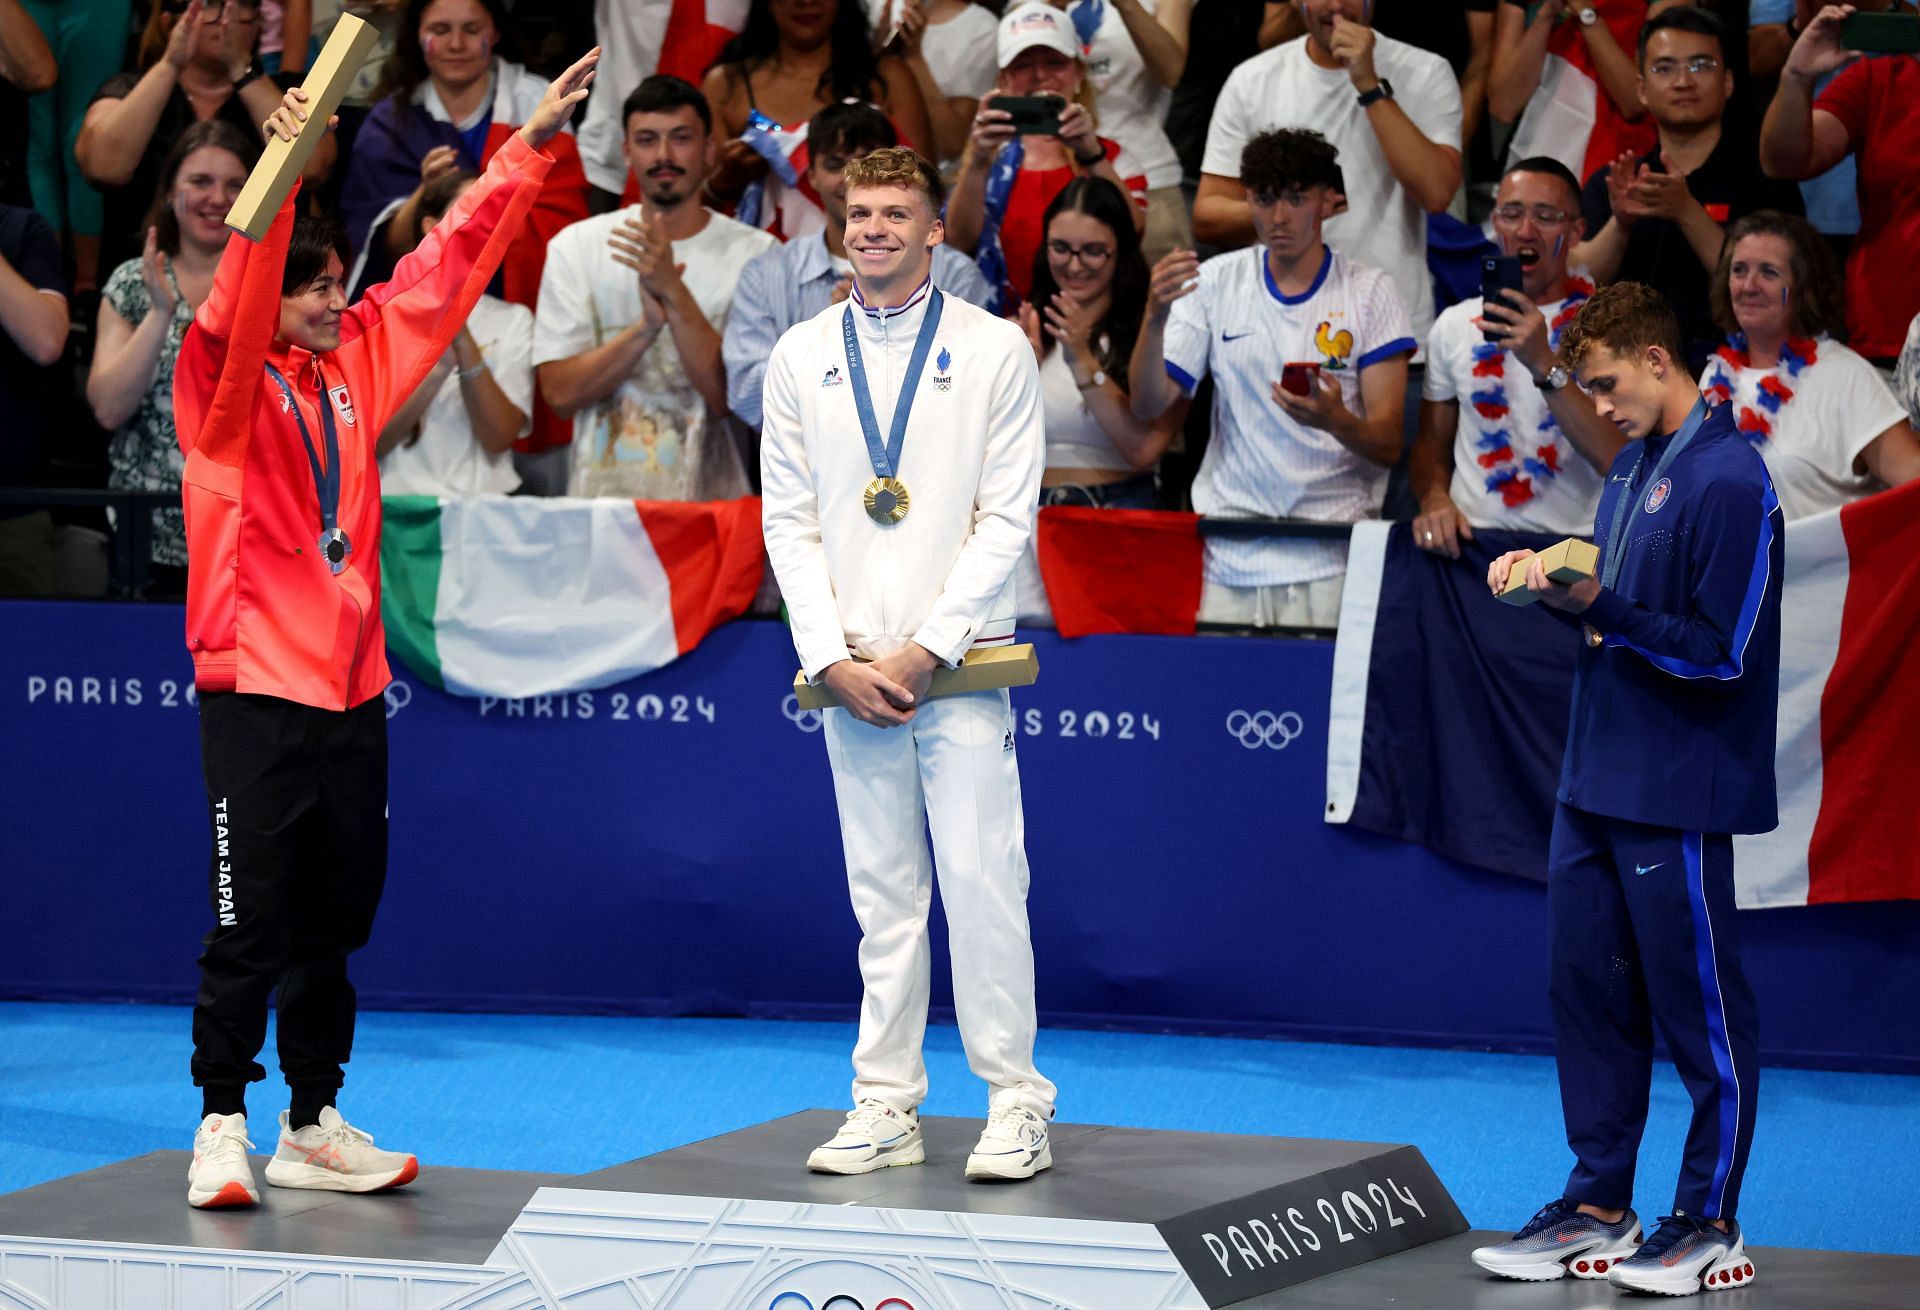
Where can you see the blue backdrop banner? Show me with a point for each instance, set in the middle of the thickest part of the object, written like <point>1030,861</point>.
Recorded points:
<point>669,847</point>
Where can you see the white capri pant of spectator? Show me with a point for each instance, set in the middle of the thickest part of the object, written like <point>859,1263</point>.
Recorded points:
<point>951,772</point>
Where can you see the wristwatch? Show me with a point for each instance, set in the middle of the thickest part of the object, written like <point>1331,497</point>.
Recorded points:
<point>1556,379</point>
<point>1099,379</point>
<point>1092,159</point>
<point>1382,91</point>
<point>1589,15</point>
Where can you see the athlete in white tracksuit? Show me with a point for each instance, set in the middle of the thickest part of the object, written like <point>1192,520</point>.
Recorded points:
<point>874,606</point>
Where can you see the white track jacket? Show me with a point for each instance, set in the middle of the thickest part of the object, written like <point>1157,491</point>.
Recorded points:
<point>974,451</point>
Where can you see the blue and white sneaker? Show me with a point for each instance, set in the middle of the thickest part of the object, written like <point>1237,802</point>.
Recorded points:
<point>875,1136</point>
<point>1559,1241</point>
<point>1685,1255</point>
<point>1013,1147</point>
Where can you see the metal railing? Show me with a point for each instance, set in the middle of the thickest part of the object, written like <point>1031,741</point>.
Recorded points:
<point>130,542</point>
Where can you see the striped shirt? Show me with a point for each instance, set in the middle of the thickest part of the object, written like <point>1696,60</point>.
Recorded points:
<point>1261,464</point>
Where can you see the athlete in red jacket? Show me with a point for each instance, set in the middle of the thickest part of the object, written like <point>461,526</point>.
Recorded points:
<point>280,392</point>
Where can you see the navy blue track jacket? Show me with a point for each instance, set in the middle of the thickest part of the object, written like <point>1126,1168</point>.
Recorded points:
<point>1674,715</point>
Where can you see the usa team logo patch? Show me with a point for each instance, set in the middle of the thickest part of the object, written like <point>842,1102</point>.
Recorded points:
<point>1658,495</point>
<point>943,380</point>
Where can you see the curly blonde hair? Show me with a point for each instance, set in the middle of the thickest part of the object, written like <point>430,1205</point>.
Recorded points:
<point>897,166</point>
<point>1626,318</point>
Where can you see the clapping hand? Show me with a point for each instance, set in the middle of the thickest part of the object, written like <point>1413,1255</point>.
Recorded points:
<point>440,159</point>
<point>1069,323</point>
<point>1661,195</point>
<point>642,245</point>
<point>1029,320</point>
<point>556,106</point>
<point>153,272</point>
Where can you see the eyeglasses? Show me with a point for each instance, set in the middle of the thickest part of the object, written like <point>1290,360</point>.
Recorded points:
<point>1665,70</point>
<point>1092,255</point>
<point>1512,215</point>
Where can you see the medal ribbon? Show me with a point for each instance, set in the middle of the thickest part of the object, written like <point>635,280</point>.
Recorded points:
<point>326,481</point>
<point>886,459</point>
<point>1616,549</point>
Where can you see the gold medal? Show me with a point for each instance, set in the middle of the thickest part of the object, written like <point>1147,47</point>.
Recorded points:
<point>1593,636</point>
<point>887,500</point>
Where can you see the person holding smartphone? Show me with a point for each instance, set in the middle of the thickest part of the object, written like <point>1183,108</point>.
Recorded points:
<point>1247,317</point>
<point>1504,441</point>
<point>1031,136</point>
<point>1870,110</point>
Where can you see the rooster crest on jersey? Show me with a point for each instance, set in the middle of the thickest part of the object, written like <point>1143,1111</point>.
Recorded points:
<point>1336,346</point>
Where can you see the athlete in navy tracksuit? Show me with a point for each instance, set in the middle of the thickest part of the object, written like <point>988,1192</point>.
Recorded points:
<point>1669,753</point>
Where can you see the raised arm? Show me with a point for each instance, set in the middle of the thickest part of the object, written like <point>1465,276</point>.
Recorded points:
<point>1160,35</point>
<point>1519,56</point>
<point>26,60</point>
<point>402,326</point>
<point>1798,141</point>
<point>1151,388</point>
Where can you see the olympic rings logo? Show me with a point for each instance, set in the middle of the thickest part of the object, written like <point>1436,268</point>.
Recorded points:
<point>398,696</point>
<point>1265,728</point>
<point>806,721</point>
<point>795,1301</point>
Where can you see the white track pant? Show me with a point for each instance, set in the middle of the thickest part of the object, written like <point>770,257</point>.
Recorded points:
<point>950,772</point>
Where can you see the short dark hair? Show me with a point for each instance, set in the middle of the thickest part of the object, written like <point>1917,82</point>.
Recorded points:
<point>662,94</point>
<point>845,127</point>
<point>437,197</point>
<point>1548,166</point>
<point>1289,157</point>
<point>1626,318</point>
<point>1683,18</point>
<point>315,236</point>
<point>1819,287</point>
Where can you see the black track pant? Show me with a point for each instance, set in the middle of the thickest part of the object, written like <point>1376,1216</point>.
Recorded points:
<point>298,800</point>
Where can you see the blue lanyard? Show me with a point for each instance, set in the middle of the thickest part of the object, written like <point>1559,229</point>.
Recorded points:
<point>1616,556</point>
<point>326,481</point>
<point>886,459</point>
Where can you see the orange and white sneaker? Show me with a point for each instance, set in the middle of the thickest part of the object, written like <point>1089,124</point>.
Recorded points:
<point>334,1156</point>
<point>221,1177</point>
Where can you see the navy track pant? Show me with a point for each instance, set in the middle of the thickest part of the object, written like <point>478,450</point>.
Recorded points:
<point>1644,933</point>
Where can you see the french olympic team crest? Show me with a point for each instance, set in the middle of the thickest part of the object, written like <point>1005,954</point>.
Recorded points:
<point>943,379</point>
<point>1658,495</point>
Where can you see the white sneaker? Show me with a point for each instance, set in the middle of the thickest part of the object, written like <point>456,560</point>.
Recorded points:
<point>875,1136</point>
<point>334,1156</point>
<point>1014,1146</point>
<point>220,1176</point>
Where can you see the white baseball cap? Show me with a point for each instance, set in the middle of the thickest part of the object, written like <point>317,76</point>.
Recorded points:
<point>1032,24</point>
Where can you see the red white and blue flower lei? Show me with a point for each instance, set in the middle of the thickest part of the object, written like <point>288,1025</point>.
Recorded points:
<point>1515,478</point>
<point>1756,421</point>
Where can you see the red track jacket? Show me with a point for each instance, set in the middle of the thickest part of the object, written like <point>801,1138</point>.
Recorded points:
<point>264,612</point>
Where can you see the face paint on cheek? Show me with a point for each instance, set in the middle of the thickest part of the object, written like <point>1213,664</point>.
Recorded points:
<point>1559,245</point>
<point>431,47</point>
<point>1783,295</point>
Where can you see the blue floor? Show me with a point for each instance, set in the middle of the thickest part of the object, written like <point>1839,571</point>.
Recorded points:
<point>1836,1159</point>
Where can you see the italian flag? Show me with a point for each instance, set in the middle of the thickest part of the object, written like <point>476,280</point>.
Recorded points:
<point>513,596</point>
<point>1849,712</point>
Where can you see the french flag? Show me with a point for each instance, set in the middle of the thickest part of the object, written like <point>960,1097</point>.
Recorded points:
<point>696,30</point>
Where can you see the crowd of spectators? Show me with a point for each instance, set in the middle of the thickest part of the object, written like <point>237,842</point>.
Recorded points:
<point>1245,241</point>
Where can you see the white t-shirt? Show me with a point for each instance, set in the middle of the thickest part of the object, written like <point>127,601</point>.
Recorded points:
<point>651,439</point>
<point>1383,227</point>
<point>1132,106</point>
<point>447,460</point>
<point>1840,404</point>
<point>1075,438</point>
<point>1514,470</point>
<point>1261,464</point>
<point>629,33</point>
<point>960,52</point>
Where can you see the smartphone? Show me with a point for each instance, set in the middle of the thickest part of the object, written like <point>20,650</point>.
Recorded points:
<point>1033,115</point>
<point>1499,274</point>
<point>1299,379</point>
<point>1891,33</point>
